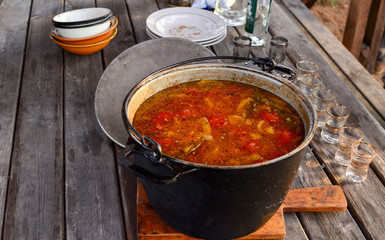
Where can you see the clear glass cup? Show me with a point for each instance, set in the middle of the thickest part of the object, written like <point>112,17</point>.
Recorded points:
<point>320,98</point>
<point>347,136</point>
<point>242,46</point>
<point>308,83</point>
<point>277,49</point>
<point>233,12</point>
<point>306,67</point>
<point>336,116</point>
<point>362,154</point>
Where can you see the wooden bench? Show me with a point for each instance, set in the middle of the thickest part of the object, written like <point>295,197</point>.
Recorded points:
<point>364,29</point>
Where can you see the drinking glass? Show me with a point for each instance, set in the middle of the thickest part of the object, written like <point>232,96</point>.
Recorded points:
<point>347,136</point>
<point>233,12</point>
<point>306,67</point>
<point>336,116</point>
<point>320,98</point>
<point>277,49</point>
<point>242,46</point>
<point>257,21</point>
<point>362,155</point>
<point>308,83</point>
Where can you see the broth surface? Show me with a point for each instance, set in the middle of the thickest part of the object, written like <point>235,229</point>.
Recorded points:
<point>220,123</point>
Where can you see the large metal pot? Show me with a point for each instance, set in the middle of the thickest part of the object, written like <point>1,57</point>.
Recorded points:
<point>213,202</point>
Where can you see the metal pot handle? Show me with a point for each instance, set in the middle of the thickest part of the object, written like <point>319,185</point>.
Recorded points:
<point>267,64</point>
<point>149,165</point>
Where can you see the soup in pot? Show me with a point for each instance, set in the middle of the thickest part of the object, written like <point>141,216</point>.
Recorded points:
<point>221,123</point>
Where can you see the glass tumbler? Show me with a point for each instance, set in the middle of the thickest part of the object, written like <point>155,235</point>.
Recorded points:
<point>242,46</point>
<point>336,116</point>
<point>347,136</point>
<point>308,83</point>
<point>362,155</point>
<point>320,98</point>
<point>277,49</point>
<point>233,12</point>
<point>306,67</point>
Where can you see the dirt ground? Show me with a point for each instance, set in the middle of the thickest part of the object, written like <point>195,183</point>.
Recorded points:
<point>334,18</point>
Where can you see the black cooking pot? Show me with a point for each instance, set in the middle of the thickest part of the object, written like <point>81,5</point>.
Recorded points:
<point>213,202</point>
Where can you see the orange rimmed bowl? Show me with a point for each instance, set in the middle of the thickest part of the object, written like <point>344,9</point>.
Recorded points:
<point>86,49</point>
<point>88,40</point>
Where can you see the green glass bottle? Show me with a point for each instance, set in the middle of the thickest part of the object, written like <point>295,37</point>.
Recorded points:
<point>257,20</point>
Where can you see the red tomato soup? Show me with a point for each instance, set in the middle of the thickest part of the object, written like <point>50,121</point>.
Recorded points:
<point>220,123</point>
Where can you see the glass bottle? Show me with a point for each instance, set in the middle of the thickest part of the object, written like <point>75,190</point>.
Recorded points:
<point>257,20</point>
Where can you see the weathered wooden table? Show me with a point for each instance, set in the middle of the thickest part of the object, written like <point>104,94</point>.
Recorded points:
<point>59,178</point>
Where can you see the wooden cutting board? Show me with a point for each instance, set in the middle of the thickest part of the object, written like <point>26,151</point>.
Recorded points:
<point>316,199</point>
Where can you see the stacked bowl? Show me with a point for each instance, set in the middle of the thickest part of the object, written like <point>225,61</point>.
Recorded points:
<point>84,31</point>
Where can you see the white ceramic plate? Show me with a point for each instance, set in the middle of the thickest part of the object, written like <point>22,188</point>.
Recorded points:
<point>184,22</point>
<point>204,43</point>
<point>215,41</point>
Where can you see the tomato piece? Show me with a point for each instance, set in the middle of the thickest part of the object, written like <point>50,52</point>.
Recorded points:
<point>161,119</point>
<point>252,146</point>
<point>166,142</point>
<point>271,117</point>
<point>286,136</point>
<point>240,132</point>
<point>218,121</point>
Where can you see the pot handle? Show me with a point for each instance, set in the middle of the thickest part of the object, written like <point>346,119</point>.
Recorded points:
<point>267,64</point>
<point>150,165</point>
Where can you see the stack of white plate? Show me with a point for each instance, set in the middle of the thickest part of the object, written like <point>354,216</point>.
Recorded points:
<point>200,26</point>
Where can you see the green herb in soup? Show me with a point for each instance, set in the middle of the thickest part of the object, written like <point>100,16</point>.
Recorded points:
<point>220,123</point>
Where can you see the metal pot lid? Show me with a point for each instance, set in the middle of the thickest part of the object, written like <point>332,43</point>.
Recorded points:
<point>129,68</point>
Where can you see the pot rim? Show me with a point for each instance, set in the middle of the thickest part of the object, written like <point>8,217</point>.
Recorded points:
<point>152,77</point>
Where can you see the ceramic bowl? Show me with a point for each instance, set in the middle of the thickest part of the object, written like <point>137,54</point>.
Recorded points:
<point>81,17</point>
<point>82,23</point>
<point>83,32</point>
<point>87,40</point>
<point>86,49</point>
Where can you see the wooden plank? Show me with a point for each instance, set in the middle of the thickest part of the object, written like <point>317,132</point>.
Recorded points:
<point>128,188</point>
<point>139,11</point>
<point>374,32</point>
<point>13,36</point>
<point>93,206</point>
<point>125,36</point>
<point>133,31</point>
<point>35,194</point>
<point>127,182</point>
<point>293,227</point>
<point>300,48</point>
<point>355,25</point>
<point>315,199</point>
